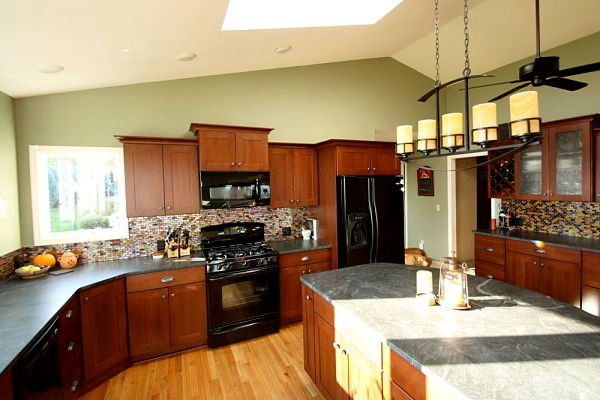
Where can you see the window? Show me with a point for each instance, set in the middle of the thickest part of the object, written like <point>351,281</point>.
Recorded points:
<point>78,194</point>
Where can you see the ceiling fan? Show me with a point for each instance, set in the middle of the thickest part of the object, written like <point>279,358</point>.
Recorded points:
<point>545,71</point>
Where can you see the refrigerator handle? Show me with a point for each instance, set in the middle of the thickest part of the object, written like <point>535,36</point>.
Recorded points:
<point>374,221</point>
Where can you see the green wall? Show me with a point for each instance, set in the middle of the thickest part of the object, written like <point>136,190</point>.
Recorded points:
<point>10,238</point>
<point>304,104</point>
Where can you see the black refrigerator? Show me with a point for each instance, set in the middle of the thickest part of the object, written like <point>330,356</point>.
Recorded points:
<point>370,220</point>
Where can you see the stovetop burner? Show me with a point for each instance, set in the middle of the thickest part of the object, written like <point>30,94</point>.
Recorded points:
<point>238,251</point>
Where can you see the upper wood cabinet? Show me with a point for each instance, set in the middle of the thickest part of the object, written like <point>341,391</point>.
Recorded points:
<point>367,159</point>
<point>161,176</point>
<point>294,176</point>
<point>560,167</point>
<point>232,148</point>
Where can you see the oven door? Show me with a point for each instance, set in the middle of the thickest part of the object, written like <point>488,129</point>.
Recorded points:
<point>242,295</point>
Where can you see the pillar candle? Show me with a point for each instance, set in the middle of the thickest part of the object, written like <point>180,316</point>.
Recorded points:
<point>522,106</point>
<point>404,134</point>
<point>424,282</point>
<point>452,123</point>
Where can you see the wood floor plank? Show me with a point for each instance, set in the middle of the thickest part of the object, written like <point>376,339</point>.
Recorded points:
<point>269,367</point>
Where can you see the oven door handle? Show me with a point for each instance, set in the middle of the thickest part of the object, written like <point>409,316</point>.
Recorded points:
<point>243,273</point>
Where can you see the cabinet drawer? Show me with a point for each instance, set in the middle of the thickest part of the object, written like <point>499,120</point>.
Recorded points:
<point>490,249</point>
<point>591,269</point>
<point>305,257</point>
<point>542,249</point>
<point>490,270</point>
<point>161,279</point>
<point>70,319</point>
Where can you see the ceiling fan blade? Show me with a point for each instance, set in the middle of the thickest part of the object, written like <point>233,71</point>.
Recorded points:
<point>511,91</point>
<point>566,84</point>
<point>493,84</point>
<point>582,69</point>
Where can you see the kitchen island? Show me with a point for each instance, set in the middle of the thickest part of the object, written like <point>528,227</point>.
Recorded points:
<point>513,343</point>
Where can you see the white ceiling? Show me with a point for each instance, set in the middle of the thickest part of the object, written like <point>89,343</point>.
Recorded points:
<point>87,37</point>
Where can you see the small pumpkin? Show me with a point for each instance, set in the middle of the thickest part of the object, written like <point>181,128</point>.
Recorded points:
<point>67,260</point>
<point>45,259</point>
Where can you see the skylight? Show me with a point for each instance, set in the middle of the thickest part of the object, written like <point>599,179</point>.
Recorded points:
<point>277,14</point>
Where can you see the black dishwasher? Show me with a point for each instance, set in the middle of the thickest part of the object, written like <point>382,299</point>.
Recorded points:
<point>36,374</point>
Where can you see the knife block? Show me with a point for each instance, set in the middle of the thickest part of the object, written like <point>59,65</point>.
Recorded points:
<point>184,247</point>
<point>173,249</point>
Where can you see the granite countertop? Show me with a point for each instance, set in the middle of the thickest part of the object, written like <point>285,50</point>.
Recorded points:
<point>26,306</point>
<point>571,242</point>
<point>297,245</point>
<point>512,344</point>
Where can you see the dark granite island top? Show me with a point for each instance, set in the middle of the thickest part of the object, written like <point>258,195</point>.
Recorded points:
<point>571,242</point>
<point>512,344</point>
<point>26,306</point>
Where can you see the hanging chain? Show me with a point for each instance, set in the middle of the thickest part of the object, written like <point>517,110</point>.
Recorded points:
<point>467,70</point>
<point>437,44</point>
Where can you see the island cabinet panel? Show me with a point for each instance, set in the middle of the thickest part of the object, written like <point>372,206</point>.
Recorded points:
<point>590,290</point>
<point>161,176</point>
<point>292,267</point>
<point>308,330</point>
<point>294,176</point>
<point>6,385</point>
<point>70,348</point>
<point>364,377</point>
<point>329,376</point>
<point>232,148</point>
<point>166,312</point>
<point>490,257</point>
<point>104,331</point>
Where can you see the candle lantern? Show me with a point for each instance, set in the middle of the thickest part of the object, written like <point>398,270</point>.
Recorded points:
<point>485,125</point>
<point>453,137</point>
<point>426,136</point>
<point>404,141</point>
<point>525,119</point>
<point>453,291</point>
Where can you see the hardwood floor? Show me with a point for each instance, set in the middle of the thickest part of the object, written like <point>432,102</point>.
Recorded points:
<point>269,367</point>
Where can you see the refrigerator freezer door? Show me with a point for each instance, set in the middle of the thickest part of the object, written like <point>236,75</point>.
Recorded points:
<point>354,221</point>
<point>388,219</point>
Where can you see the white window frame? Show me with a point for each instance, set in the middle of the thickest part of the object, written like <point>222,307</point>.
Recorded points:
<point>40,196</point>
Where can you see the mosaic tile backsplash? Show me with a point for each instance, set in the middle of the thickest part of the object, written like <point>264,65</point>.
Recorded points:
<point>558,217</point>
<point>145,231</point>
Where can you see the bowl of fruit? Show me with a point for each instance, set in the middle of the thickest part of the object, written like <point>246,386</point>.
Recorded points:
<point>32,271</point>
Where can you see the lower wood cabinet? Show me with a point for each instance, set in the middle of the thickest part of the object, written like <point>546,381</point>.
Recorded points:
<point>490,257</point>
<point>70,349</point>
<point>104,331</point>
<point>166,312</point>
<point>6,385</point>
<point>292,267</point>
<point>590,290</point>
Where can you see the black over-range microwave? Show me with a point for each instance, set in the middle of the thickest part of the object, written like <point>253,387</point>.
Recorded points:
<point>235,189</point>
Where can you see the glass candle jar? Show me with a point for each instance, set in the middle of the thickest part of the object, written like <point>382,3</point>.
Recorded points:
<point>453,291</point>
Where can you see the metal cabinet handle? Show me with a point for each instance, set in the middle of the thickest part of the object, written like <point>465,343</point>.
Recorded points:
<point>373,169</point>
<point>489,249</point>
<point>489,276</point>
<point>309,270</point>
<point>305,258</point>
<point>164,296</point>
<point>86,299</point>
<point>169,207</point>
<point>541,264</point>
<point>344,352</point>
<point>535,263</point>
<point>69,314</point>
<point>160,207</point>
<point>336,345</point>
<point>232,164</point>
<point>541,251</point>
<point>167,279</point>
<point>292,201</point>
<point>368,168</point>
<point>303,272</point>
<point>74,386</point>
<point>297,200</point>
<point>544,194</point>
<point>308,297</point>
<point>172,294</point>
<point>70,346</point>
<point>239,164</point>
<point>551,194</point>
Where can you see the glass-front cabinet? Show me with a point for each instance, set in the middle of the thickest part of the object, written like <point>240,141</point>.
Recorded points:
<point>560,167</point>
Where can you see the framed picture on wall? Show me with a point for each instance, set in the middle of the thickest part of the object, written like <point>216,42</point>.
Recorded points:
<point>425,182</point>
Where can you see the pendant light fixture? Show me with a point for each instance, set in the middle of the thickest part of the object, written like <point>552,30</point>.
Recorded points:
<point>525,121</point>
<point>404,141</point>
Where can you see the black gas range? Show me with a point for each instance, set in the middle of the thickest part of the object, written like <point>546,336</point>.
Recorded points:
<point>242,275</point>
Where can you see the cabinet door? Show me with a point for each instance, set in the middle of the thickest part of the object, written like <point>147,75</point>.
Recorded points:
<point>187,313</point>
<point>306,186</point>
<point>104,329</point>
<point>217,151</point>
<point>318,267</point>
<point>596,168</point>
<point>384,161</point>
<point>569,162</point>
<point>252,151</point>
<point>6,385</point>
<point>328,368</point>
<point>364,378</point>
<point>282,176</point>
<point>523,270</point>
<point>561,280</point>
<point>148,318</point>
<point>353,160</point>
<point>308,330</point>
<point>144,179</point>
<point>290,293</point>
<point>70,348</point>
<point>180,170</point>
<point>531,179</point>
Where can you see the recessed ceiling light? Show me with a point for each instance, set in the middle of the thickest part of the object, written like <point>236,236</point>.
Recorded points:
<point>12,75</point>
<point>50,69</point>
<point>275,14</point>
<point>125,51</point>
<point>283,49</point>
<point>186,56</point>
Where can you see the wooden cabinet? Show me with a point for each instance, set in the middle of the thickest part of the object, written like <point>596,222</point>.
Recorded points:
<point>590,296</point>
<point>294,179</point>
<point>232,148</point>
<point>596,167</point>
<point>166,312</point>
<point>560,167</point>
<point>551,270</point>
<point>104,330</point>
<point>70,348</point>
<point>490,257</point>
<point>291,268</point>
<point>366,160</point>
<point>6,385</point>
<point>161,176</point>
<point>308,330</point>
